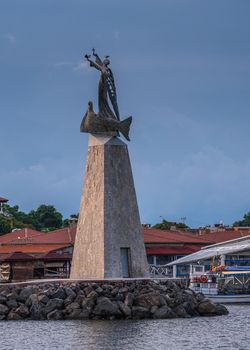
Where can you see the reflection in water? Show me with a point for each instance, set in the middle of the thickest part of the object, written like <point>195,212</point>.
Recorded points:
<point>225,332</point>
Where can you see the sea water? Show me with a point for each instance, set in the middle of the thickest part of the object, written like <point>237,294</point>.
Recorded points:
<point>223,332</point>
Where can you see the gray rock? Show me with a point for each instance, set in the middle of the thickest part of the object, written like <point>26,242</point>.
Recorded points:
<point>13,316</point>
<point>92,295</point>
<point>71,307</point>
<point>140,312</point>
<point>31,299</point>
<point>68,301</point>
<point>106,308</point>
<point>180,311</point>
<point>99,290</point>
<point>124,308</point>
<point>88,290</point>
<point>12,303</point>
<point>70,293</point>
<point>25,293</point>
<point>221,310</point>
<point>3,299</point>
<point>123,290</point>
<point>58,294</point>
<point>129,299</point>
<point>191,308</point>
<point>207,308</point>
<point>12,296</point>
<point>119,297</point>
<point>149,299</point>
<point>79,299</point>
<point>164,312</point>
<point>199,297</point>
<point>3,309</point>
<point>78,314</point>
<point>114,291</point>
<point>23,311</point>
<point>43,298</point>
<point>36,311</point>
<point>55,315</point>
<point>2,317</point>
<point>52,305</point>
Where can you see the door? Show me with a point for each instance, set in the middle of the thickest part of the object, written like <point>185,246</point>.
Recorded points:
<point>125,252</point>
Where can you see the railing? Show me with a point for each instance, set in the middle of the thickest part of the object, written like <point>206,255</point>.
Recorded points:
<point>160,271</point>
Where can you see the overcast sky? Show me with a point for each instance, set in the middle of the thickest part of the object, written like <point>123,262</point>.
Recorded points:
<point>182,70</point>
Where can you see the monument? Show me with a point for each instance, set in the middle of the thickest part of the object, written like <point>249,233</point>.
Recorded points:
<point>109,241</point>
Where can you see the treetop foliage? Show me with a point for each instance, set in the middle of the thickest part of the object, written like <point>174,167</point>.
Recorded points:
<point>44,218</point>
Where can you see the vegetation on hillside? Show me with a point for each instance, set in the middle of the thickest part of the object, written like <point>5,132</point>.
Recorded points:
<point>44,218</point>
<point>166,225</point>
<point>245,222</point>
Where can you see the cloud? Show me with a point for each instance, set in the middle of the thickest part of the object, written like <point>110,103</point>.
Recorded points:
<point>81,66</point>
<point>74,66</point>
<point>52,181</point>
<point>205,186</point>
<point>10,37</point>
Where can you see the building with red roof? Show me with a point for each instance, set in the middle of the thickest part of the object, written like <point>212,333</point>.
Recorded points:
<point>52,251</point>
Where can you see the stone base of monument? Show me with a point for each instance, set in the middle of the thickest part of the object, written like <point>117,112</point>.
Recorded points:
<point>109,242</point>
<point>108,299</point>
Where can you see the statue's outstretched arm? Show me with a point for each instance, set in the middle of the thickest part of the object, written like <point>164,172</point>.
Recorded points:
<point>97,58</point>
<point>92,63</point>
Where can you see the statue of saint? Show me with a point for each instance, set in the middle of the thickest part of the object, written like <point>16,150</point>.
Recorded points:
<point>105,121</point>
<point>106,86</point>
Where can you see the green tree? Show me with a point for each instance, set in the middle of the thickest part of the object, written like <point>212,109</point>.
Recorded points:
<point>5,225</point>
<point>46,218</point>
<point>244,222</point>
<point>166,225</point>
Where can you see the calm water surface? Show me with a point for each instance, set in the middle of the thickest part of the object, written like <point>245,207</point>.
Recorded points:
<point>225,332</point>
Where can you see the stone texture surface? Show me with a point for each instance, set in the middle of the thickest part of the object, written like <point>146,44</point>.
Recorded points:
<point>116,299</point>
<point>109,217</point>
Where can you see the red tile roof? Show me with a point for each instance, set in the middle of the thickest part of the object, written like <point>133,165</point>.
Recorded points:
<point>25,234</point>
<point>31,248</point>
<point>222,236</point>
<point>3,200</point>
<point>152,235</point>
<point>170,250</point>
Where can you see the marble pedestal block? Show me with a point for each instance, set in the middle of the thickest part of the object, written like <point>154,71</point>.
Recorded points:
<point>109,242</point>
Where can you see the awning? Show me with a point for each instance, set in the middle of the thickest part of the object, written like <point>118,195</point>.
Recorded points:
<point>204,253</point>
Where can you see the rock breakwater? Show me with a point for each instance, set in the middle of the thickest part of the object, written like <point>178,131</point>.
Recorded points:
<point>123,299</point>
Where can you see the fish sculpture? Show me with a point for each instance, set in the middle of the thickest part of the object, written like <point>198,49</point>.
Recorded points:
<point>97,123</point>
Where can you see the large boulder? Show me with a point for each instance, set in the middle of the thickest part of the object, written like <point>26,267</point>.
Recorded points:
<point>149,299</point>
<point>140,312</point>
<point>23,311</point>
<point>25,293</point>
<point>164,312</point>
<point>13,316</point>
<point>207,308</point>
<point>52,305</point>
<point>129,298</point>
<point>106,308</point>
<point>125,309</point>
<point>3,309</point>
<point>37,311</point>
<point>55,315</point>
<point>58,294</point>
<point>3,299</point>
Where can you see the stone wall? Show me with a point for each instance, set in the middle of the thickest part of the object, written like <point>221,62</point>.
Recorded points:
<point>124,299</point>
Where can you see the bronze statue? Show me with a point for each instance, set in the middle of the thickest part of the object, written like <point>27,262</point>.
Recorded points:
<point>105,121</point>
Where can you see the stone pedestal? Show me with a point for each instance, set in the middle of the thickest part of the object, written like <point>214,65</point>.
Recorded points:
<point>109,242</point>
